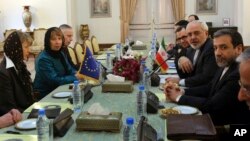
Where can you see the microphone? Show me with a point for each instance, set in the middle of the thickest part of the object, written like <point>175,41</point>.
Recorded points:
<point>174,50</point>
<point>105,69</point>
<point>169,57</point>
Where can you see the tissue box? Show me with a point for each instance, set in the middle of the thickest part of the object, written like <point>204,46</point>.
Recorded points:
<point>111,122</point>
<point>126,87</point>
<point>139,47</point>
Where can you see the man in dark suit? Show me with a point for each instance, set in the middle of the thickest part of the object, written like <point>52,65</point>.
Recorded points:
<point>244,93</point>
<point>199,60</point>
<point>68,38</point>
<point>181,49</point>
<point>219,97</point>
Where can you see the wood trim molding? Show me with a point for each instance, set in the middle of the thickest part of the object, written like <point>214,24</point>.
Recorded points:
<point>245,47</point>
<point>105,45</point>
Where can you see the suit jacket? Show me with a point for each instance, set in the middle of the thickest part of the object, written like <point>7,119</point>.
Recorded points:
<point>219,98</point>
<point>180,51</point>
<point>205,66</point>
<point>11,92</point>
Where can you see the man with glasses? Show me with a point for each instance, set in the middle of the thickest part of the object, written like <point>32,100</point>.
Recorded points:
<point>183,45</point>
<point>219,97</point>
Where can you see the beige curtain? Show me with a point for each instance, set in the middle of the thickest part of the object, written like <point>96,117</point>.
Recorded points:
<point>127,13</point>
<point>178,9</point>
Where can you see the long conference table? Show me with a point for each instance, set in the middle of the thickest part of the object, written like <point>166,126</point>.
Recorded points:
<point>115,102</point>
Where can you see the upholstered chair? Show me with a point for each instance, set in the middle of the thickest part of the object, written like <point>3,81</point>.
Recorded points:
<point>95,44</point>
<point>79,52</point>
<point>72,55</point>
<point>38,43</point>
<point>89,45</point>
<point>6,34</point>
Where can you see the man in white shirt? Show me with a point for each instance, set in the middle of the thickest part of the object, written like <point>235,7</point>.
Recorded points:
<point>219,97</point>
<point>199,61</point>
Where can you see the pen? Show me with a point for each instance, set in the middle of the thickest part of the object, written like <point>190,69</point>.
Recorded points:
<point>12,132</point>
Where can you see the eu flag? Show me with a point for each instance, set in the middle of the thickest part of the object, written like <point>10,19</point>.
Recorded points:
<point>89,68</point>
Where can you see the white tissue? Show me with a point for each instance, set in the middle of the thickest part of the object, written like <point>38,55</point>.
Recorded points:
<point>139,42</point>
<point>97,109</point>
<point>115,78</point>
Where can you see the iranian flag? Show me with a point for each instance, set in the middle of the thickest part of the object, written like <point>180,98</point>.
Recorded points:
<point>161,56</point>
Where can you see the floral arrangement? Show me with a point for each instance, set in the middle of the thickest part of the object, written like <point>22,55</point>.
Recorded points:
<point>128,68</point>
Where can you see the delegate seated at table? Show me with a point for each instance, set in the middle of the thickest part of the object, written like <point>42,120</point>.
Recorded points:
<point>52,67</point>
<point>199,60</point>
<point>244,93</point>
<point>68,37</point>
<point>181,37</point>
<point>15,81</point>
<point>10,118</point>
<point>219,97</point>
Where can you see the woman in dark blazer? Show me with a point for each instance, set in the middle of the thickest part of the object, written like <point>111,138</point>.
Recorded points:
<point>52,66</point>
<point>15,82</point>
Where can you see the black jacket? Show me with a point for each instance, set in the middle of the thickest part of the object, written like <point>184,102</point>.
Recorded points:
<point>205,66</point>
<point>219,98</point>
<point>12,94</point>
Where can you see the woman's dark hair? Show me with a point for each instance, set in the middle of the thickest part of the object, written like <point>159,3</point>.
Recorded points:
<point>51,32</point>
<point>195,17</point>
<point>182,23</point>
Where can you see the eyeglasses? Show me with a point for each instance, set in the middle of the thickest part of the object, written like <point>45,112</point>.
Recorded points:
<point>244,88</point>
<point>181,38</point>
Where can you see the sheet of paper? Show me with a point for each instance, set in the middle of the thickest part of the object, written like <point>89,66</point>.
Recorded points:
<point>4,137</point>
<point>163,77</point>
<point>104,56</point>
<point>161,96</point>
<point>172,71</point>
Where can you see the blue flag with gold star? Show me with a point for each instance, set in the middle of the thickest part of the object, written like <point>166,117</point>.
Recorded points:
<point>89,69</point>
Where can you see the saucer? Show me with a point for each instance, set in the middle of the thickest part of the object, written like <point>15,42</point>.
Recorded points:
<point>62,95</point>
<point>186,109</point>
<point>26,124</point>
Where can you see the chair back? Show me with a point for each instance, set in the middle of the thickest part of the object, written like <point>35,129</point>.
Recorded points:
<point>1,47</point>
<point>88,44</point>
<point>8,32</point>
<point>38,43</point>
<point>79,52</point>
<point>95,44</point>
<point>72,55</point>
<point>39,35</point>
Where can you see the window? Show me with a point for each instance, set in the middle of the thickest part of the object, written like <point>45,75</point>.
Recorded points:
<point>153,16</point>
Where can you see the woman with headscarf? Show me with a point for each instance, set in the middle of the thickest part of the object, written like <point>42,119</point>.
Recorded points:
<point>52,67</point>
<point>15,82</point>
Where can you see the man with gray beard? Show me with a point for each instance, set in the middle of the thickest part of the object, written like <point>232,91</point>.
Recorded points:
<point>219,97</point>
<point>199,61</point>
<point>244,93</point>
